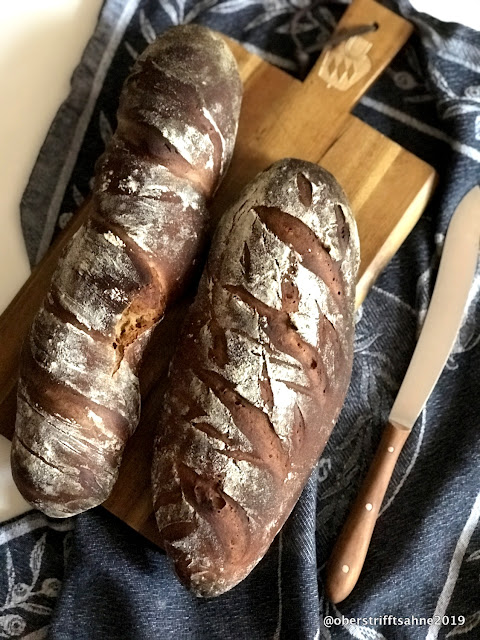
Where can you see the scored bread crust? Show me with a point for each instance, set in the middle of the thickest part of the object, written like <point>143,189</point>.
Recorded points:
<point>78,395</point>
<point>260,374</point>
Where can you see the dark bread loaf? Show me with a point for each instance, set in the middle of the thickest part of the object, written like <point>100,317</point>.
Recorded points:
<point>260,375</point>
<point>78,396</point>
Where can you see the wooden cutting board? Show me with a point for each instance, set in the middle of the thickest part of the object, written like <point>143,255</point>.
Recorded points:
<point>281,116</point>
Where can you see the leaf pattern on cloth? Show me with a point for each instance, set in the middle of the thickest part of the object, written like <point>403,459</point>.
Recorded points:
<point>453,104</point>
<point>472,621</point>
<point>409,78</point>
<point>148,32</point>
<point>173,10</point>
<point>133,52</point>
<point>64,219</point>
<point>105,128</point>
<point>21,594</point>
<point>458,564</point>
<point>32,587</point>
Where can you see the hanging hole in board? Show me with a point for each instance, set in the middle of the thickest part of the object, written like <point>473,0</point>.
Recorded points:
<point>351,32</point>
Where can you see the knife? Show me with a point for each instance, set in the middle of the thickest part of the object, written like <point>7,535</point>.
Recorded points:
<point>442,322</point>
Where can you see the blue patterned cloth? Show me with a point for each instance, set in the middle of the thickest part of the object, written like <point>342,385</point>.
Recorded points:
<point>424,560</point>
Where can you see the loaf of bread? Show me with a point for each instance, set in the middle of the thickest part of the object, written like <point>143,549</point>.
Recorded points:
<point>78,396</point>
<point>260,374</point>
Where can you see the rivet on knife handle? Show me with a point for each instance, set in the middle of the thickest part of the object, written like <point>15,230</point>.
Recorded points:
<point>351,548</point>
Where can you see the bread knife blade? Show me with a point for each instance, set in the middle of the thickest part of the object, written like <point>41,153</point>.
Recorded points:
<point>438,335</point>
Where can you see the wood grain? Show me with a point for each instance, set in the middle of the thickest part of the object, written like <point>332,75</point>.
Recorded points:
<point>281,116</point>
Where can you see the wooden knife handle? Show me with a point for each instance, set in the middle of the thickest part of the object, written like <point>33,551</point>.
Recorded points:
<point>350,550</point>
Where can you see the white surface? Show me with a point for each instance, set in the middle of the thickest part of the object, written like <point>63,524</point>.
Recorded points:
<point>11,502</point>
<point>465,12</point>
<point>445,312</point>
<point>41,42</point>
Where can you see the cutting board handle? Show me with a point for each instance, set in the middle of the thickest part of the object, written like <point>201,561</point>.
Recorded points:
<point>339,78</point>
<point>346,71</point>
